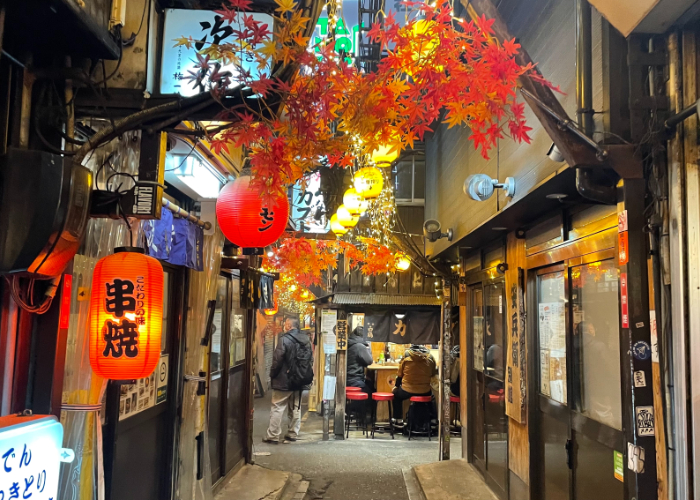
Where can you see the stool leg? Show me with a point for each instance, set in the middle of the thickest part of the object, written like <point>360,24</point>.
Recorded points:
<point>348,416</point>
<point>374,417</point>
<point>391,417</point>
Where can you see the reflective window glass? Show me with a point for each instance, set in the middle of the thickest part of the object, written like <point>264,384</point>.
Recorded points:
<point>596,342</point>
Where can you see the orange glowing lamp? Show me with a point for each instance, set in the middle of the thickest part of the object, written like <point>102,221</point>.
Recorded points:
<point>126,315</point>
<point>369,182</point>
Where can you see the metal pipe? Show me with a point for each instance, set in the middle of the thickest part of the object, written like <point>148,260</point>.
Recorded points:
<point>584,67</point>
<point>677,379</point>
<point>691,110</point>
<point>592,190</point>
<point>185,214</point>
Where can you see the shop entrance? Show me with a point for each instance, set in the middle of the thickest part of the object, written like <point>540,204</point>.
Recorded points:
<point>489,427</point>
<point>228,384</point>
<point>140,432</point>
<point>579,378</point>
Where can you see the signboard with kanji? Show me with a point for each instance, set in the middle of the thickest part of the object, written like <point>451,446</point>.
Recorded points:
<point>30,456</point>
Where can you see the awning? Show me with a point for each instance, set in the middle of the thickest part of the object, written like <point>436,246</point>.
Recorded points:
<point>372,299</point>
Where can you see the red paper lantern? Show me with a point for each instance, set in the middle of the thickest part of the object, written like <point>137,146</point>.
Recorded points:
<point>248,221</point>
<point>126,315</point>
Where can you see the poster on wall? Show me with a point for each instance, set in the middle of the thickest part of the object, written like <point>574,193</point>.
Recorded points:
<point>146,392</point>
<point>552,331</point>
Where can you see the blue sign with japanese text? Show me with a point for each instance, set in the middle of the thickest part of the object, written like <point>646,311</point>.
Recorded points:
<point>30,455</point>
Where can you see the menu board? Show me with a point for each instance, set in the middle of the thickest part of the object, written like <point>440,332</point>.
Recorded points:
<point>146,392</point>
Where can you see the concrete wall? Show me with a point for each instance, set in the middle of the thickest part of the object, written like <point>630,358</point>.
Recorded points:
<point>546,29</point>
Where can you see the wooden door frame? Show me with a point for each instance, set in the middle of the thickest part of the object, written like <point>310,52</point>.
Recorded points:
<point>594,248</point>
<point>481,278</point>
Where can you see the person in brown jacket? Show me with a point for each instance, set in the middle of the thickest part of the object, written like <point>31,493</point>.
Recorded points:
<point>415,371</point>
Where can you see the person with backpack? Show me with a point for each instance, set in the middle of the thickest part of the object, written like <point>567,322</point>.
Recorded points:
<point>291,372</point>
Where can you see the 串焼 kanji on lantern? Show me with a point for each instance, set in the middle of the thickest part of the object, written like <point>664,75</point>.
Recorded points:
<point>246,219</point>
<point>126,315</point>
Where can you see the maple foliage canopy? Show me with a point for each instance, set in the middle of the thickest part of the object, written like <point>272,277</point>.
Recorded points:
<point>333,112</point>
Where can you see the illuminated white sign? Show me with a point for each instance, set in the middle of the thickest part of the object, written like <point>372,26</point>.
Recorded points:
<point>30,455</point>
<point>309,207</point>
<point>204,27</point>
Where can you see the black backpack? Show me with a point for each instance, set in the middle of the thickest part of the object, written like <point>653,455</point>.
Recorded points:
<point>301,366</point>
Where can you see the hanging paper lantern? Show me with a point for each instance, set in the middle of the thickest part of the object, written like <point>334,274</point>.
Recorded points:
<point>337,227</point>
<point>126,315</point>
<point>402,262</point>
<point>248,221</point>
<point>385,155</point>
<point>369,182</point>
<point>355,204</point>
<point>345,218</point>
<point>272,311</point>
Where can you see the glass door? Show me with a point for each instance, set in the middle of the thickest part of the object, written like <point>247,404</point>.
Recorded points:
<point>237,390</point>
<point>579,380</point>
<point>216,389</point>
<point>489,431</point>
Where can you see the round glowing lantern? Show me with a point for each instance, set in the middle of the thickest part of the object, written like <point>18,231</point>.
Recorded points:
<point>272,311</point>
<point>355,204</point>
<point>402,262</point>
<point>385,155</point>
<point>369,182</point>
<point>126,315</point>
<point>246,219</point>
<point>345,218</point>
<point>337,227</point>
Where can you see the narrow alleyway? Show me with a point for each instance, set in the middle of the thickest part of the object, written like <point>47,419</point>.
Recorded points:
<point>354,469</point>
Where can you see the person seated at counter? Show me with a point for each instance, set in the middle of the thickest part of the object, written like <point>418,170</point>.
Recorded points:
<point>413,378</point>
<point>359,357</point>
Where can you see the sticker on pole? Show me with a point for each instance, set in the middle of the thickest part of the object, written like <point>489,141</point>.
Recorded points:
<point>641,350</point>
<point>623,248</point>
<point>622,221</point>
<point>645,420</point>
<point>619,466</point>
<point>624,306</point>
<point>635,458</point>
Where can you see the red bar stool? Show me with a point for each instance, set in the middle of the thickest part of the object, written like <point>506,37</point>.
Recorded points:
<point>357,413</point>
<point>455,408</point>
<point>353,389</point>
<point>389,398</point>
<point>420,403</point>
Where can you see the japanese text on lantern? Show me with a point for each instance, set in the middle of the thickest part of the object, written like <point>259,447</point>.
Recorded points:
<point>124,299</point>
<point>267,216</point>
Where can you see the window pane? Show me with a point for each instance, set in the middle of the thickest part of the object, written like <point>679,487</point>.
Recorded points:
<point>404,180</point>
<point>596,342</point>
<point>218,324</point>
<point>419,176</point>
<point>494,338</point>
<point>552,336</point>
<point>237,339</point>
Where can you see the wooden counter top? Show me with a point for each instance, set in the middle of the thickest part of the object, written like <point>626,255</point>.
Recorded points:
<point>382,367</point>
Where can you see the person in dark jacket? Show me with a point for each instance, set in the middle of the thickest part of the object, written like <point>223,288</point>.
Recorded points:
<point>284,400</point>
<point>359,357</point>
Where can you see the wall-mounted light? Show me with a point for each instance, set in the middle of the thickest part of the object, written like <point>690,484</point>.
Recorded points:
<point>432,231</point>
<point>480,187</point>
<point>554,154</point>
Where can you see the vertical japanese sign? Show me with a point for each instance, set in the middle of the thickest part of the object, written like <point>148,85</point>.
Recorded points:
<point>624,302</point>
<point>514,309</point>
<point>341,335</point>
<point>30,456</point>
<point>308,206</point>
